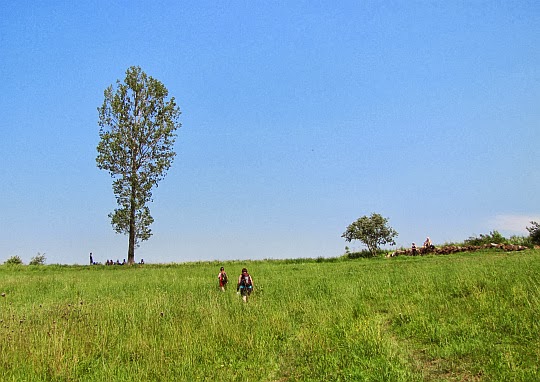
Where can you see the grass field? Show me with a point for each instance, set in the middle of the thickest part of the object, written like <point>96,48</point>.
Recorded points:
<point>464,317</point>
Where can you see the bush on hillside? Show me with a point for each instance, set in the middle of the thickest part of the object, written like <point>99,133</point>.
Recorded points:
<point>39,259</point>
<point>493,237</point>
<point>13,260</point>
<point>521,240</point>
<point>363,254</point>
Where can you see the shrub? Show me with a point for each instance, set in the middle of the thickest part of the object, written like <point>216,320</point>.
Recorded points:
<point>14,260</point>
<point>493,237</point>
<point>39,259</point>
<point>521,240</point>
<point>364,254</point>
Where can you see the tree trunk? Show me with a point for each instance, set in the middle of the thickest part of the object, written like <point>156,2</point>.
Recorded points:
<point>131,247</point>
<point>132,228</point>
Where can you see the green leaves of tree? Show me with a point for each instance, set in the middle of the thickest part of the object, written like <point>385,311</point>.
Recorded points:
<point>372,230</point>
<point>534,232</point>
<point>138,131</point>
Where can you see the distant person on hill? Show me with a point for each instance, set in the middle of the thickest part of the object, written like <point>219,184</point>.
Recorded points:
<point>428,244</point>
<point>413,249</point>
<point>245,284</point>
<point>223,280</point>
<point>91,259</point>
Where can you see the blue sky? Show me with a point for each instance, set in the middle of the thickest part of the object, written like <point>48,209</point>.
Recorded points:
<point>297,119</point>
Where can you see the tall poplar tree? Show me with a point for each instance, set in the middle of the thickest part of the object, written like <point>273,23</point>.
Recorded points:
<point>137,129</point>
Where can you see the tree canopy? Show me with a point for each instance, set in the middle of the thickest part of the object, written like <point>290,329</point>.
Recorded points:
<point>372,230</point>
<point>138,126</point>
<point>534,232</point>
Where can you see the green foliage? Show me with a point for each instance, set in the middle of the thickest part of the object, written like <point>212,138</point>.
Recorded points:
<point>493,237</point>
<point>534,233</point>
<point>138,131</point>
<point>372,230</point>
<point>39,259</point>
<point>363,254</point>
<point>521,240</point>
<point>14,260</point>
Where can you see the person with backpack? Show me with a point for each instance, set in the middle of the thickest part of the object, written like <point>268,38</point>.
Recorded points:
<point>245,284</point>
<point>223,280</point>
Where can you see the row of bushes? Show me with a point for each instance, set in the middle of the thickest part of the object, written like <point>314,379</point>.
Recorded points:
<point>39,259</point>
<point>496,238</point>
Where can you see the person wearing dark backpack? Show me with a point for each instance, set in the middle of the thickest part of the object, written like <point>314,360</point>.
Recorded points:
<point>223,280</point>
<point>245,284</point>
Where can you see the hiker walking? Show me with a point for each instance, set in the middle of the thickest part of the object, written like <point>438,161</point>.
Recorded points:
<point>223,280</point>
<point>245,284</point>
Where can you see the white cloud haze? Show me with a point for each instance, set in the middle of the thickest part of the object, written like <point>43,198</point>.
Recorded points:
<point>514,223</point>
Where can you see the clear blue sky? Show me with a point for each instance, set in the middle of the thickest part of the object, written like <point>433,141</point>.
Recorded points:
<point>298,118</point>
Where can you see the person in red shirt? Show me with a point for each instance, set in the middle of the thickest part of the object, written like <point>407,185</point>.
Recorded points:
<point>222,277</point>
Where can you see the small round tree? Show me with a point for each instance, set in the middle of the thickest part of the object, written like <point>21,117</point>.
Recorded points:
<point>372,230</point>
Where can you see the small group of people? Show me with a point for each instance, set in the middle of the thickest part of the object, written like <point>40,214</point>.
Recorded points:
<point>111,262</point>
<point>428,245</point>
<point>244,286</point>
<point>117,262</point>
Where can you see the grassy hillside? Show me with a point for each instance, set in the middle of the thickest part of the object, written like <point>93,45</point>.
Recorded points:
<point>435,318</point>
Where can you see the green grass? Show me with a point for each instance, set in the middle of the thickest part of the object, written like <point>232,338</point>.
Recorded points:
<point>464,317</point>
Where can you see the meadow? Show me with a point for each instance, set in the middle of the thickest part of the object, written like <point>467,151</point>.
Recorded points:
<point>463,317</point>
